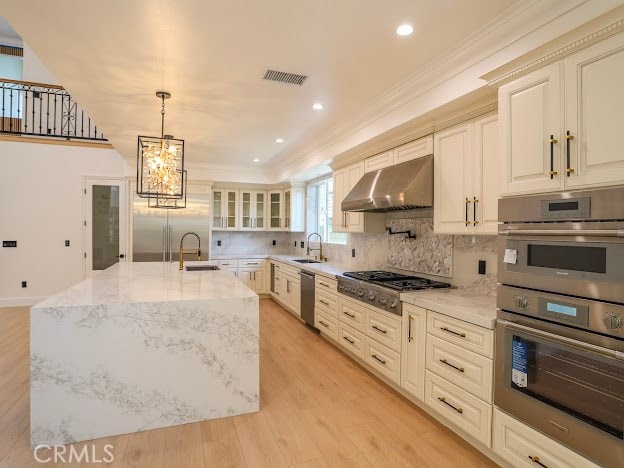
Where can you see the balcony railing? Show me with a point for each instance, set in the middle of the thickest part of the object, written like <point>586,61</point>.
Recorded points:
<point>43,110</point>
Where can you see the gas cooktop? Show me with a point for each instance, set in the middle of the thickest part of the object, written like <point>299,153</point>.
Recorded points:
<point>382,288</point>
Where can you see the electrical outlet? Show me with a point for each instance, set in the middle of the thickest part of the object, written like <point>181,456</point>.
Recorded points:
<point>218,243</point>
<point>66,243</point>
<point>353,253</point>
<point>295,243</point>
<point>302,244</point>
<point>9,243</point>
<point>274,242</point>
<point>482,267</point>
<point>24,284</point>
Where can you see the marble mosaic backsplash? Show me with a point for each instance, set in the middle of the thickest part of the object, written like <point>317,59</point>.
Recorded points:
<point>252,242</point>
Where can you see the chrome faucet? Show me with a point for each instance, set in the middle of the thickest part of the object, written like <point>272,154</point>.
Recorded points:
<point>193,251</point>
<point>320,249</point>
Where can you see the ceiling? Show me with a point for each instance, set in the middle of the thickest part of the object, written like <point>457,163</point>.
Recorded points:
<point>6,30</point>
<point>211,55</point>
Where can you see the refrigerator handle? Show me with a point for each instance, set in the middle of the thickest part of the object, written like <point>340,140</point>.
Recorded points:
<point>164,242</point>
<point>170,239</point>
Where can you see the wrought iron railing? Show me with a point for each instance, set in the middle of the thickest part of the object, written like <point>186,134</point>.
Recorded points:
<point>43,110</point>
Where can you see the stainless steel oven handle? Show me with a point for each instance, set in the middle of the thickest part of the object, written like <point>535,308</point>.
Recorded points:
<point>563,340</point>
<point>563,232</point>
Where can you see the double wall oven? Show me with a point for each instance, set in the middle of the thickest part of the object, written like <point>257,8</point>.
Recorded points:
<point>560,328</point>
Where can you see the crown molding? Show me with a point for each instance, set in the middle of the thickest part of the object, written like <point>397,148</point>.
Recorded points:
<point>561,53</point>
<point>520,29</point>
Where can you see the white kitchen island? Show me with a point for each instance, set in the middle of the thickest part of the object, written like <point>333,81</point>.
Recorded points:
<point>141,346</point>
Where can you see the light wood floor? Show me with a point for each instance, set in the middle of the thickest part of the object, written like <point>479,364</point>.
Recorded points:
<point>318,409</point>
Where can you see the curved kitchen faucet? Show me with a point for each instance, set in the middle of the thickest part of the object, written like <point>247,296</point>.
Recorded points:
<point>193,251</point>
<point>320,249</point>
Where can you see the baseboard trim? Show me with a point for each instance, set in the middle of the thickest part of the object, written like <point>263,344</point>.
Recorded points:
<point>21,301</point>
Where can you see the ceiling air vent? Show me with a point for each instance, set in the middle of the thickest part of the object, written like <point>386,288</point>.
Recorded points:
<point>283,77</point>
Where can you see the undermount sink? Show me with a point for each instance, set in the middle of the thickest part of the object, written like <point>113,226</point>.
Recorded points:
<point>202,267</point>
<point>306,260</point>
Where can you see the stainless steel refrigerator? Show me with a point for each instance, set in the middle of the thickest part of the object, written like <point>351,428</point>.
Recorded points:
<point>157,232</point>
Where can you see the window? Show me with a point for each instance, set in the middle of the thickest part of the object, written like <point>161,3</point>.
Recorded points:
<point>320,211</point>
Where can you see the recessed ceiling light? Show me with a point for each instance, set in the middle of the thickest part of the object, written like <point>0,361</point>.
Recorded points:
<point>317,106</point>
<point>279,140</point>
<point>255,160</point>
<point>405,30</point>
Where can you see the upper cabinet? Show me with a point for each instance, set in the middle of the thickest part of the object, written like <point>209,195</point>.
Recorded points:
<point>350,221</point>
<point>560,125</point>
<point>253,210</point>
<point>225,209</point>
<point>466,178</point>
<point>287,209</point>
<point>412,150</point>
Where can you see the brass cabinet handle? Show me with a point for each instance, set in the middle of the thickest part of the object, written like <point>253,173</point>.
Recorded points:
<point>379,329</point>
<point>474,212</point>
<point>287,286</point>
<point>444,361</point>
<point>568,137</point>
<point>324,284</point>
<point>535,459</point>
<point>323,323</point>
<point>323,302</point>
<point>552,171</point>
<point>409,327</point>
<point>448,330</point>
<point>443,400</point>
<point>467,204</point>
<point>347,339</point>
<point>348,314</point>
<point>374,356</point>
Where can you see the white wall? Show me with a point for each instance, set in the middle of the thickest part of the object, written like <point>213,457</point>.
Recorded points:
<point>34,70</point>
<point>41,206</point>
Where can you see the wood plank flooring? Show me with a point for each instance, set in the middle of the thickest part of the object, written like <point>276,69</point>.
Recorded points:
<point>318,409</point>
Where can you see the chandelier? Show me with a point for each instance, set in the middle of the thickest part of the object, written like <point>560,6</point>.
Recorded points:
<point>170,203</point>
<point>160,165</point>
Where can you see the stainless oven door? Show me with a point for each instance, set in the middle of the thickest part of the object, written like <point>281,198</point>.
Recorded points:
<point>590,265</point>
<point>568,389</point>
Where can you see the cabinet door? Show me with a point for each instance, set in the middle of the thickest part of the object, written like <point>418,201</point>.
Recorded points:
<point>486,175</point>
<point>246,276</point>
<point>413,150</point>
<point>340,185</point>
<point>594,101</point>
<point>413,351</point>
<point>260,283</point>
<point>355,221</point>
<point>453,158</point>
<point>530,112</point>
<point>287,209</point>
<point>231,209</point>
<point>379,161</point>
<point>276,210</point>
<point>246,210</point>
<point>218,222</point>
<point>297,209</point>
<point>259,222</point>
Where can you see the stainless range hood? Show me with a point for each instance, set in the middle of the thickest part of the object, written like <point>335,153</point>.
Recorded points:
<point>406,186</point>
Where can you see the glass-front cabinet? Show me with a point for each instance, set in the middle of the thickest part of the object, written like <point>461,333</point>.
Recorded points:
<point>276,209</point>
<point>225,209</point>
<point>253,210</point>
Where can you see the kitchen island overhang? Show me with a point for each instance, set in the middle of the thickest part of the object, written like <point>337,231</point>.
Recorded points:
<point>142,346</point>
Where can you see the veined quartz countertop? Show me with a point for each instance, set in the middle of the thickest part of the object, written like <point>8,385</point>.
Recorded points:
<point>132,282</point>
<point>329,270</point>
<point>458,303</point>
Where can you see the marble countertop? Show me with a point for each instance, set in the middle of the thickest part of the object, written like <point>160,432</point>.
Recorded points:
<point>458,303</point>
<point>132,282</point>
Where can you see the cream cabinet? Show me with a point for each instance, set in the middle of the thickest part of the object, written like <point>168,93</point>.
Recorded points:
<point>560,125</point>
<point>344,221</point>
<point>294,209</point>
<point>412,150</point>
<point>521,445</point>
<point>466,178</point>
<point>287,287</point>
<point>225,204</point>
<point>413,350</point>
<point>253,273</point>
<point>276,210</point>
<point>253,208</point>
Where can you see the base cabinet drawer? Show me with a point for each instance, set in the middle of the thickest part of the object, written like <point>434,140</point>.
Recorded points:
<point>466,369</point>
<point>384,329</point>
<point>327,301</point>
<point>460,407</point>
<point>225,264</point>
<point>352,314</point>
<point>521,445</point>
<point>351,339</point>
<point>326,284</point>
<point>326,323</point>
<point>468,336</point>
<point>383,359</point>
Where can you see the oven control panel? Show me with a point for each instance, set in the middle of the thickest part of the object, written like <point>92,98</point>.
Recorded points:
<point>601,317</point>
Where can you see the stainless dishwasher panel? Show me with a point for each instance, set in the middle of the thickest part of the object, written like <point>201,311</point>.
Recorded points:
<point>307,297</point>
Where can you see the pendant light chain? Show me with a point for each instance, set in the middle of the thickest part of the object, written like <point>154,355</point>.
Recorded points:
<point>162,118</point>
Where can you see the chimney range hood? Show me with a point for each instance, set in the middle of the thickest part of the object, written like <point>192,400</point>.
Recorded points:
<point>406,186</point>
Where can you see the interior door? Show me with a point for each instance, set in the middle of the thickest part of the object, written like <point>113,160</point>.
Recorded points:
<point>106,223</point>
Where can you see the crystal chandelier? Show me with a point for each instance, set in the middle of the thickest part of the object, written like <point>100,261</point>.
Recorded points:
<point>170,203</point>
<point>160,165</point>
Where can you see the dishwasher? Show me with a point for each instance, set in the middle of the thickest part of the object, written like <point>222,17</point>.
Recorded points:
<point>307,298</point>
